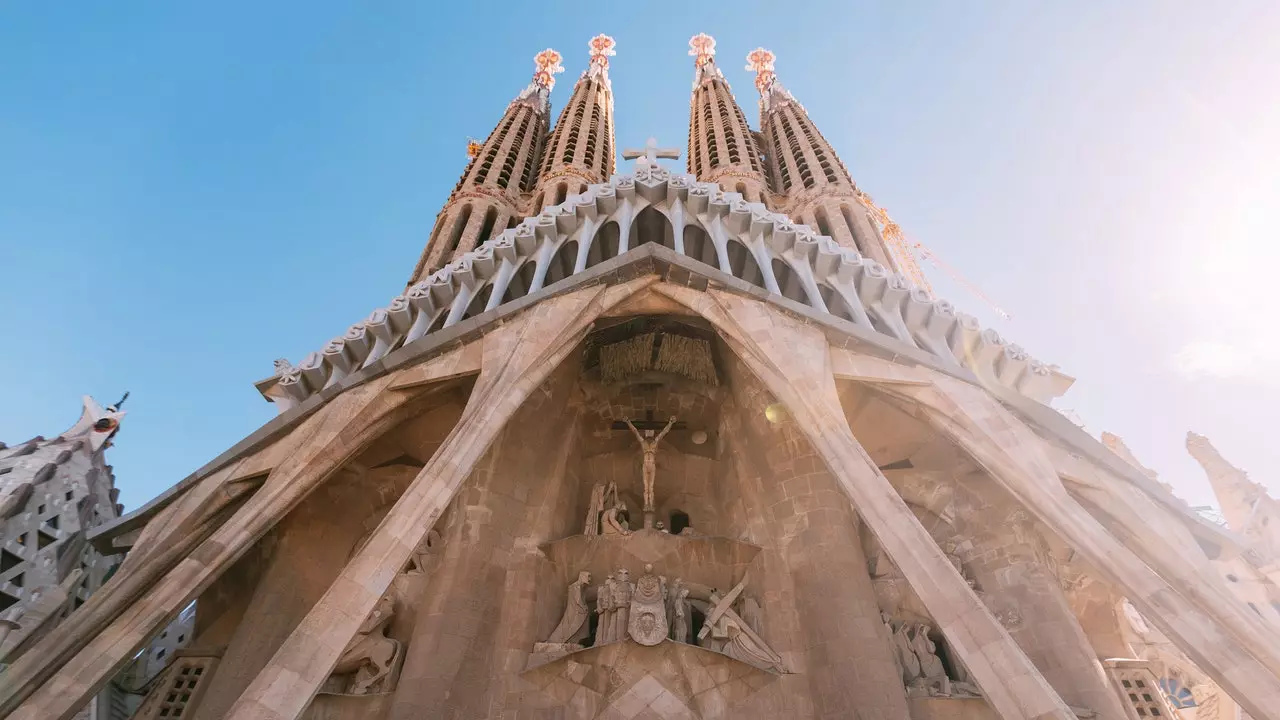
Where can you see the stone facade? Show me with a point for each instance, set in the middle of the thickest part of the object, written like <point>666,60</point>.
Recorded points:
<point>660,452</point>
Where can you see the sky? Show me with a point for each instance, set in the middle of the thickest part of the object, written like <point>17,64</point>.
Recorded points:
<point>191,190</point>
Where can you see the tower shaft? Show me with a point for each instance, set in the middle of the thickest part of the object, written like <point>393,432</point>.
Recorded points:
<point>722,148</point>
<point>487,198</point>
<point>816,187</point>
<point>580,150</point>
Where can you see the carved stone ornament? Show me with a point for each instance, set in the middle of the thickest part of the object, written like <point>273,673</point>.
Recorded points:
<point>573,623</point>
<point>371,656</point>
<point>647,624</point>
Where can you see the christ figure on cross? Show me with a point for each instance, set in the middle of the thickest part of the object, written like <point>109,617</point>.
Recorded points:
<point>649,446</point>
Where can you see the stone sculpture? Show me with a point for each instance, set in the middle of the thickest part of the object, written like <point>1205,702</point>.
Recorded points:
<point>371,655</point>
<point>604,611</point>
<point>595,507</point>
<point>613,522</point>
<point>728,633</point>
<point>417,564</point>
<point>678,611</point>
<point>647,618</point>
<point>649,450</point>
<point>573,625</point>
<point>623,589</point>
<point>903,652</point>
<point>933,676</point>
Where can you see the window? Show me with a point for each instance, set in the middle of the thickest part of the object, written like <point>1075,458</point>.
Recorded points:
<point>679,521</point>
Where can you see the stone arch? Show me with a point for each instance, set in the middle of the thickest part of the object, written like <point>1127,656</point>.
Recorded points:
<point>605,245</point>
<point>742,263</point>
<point>520,282</point>
<point>699,246</point>
<point>562,263</point>
<point>836,304</point>
<point>651,226</point>
<point>479,301</point>
<point>789,283</point>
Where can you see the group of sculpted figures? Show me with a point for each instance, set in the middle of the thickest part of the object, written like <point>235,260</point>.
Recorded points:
<point>651,610</point>
<point>916,657</point>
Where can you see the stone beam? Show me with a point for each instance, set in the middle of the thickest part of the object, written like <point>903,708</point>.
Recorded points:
<point>1015,458</point>
<point>793,362</point>
<point>517,358</point>
<point>107,635</point>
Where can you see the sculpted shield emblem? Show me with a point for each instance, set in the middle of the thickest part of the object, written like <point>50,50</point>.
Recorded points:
<point>647,623</point>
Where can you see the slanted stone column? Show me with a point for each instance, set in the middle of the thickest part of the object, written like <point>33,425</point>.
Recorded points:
<point>517,358</point>
<point>1017,459</point>
<point>793,361</point>
<point>1007,561</point>
<point>449,663</point>
<point>849,662</point>
<point>150,597</point>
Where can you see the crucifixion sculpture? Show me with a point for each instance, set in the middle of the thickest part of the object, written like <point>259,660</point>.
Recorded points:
<point>649,449</point>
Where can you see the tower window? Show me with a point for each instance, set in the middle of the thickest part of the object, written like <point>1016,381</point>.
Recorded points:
<point>459,227</point>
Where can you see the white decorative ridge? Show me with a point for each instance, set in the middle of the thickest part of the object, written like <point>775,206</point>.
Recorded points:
<point>814,271</point>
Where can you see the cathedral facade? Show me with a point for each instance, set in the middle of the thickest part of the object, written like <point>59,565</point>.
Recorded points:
<point>644,444</point>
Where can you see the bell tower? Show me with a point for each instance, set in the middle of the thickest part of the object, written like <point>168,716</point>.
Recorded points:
<point>817,188</point>
<point>722,148</point>
<point>487,198</point>
<point>580,150</point>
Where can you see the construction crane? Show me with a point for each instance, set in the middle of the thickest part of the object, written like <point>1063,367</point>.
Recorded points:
<point>904,252</point>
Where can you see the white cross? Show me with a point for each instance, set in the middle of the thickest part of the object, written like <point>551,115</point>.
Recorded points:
<point>649,156</point>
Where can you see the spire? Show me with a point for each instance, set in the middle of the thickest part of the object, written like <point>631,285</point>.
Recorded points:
<point>1236,493</point>
<point>486,199</point>
<point>805,168</point>
<point>601,47</point>
<point>1246,506</point>
<point>722,148</point>
<point>580,149</point>
<point>772,93</point>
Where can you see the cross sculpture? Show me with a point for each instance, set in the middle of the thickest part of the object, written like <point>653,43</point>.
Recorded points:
<point>649,156</point>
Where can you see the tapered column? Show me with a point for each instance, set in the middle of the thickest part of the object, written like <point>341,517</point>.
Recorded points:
<point>1013,456</point>
<point>335,434</point>
<point>792,361</point>
<point>457,630</point>
<point>1008,566</point>
<point>849,661</point>
<point>517,358</point>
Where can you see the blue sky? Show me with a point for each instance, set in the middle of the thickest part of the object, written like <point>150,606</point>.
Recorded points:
<point>192,191</point>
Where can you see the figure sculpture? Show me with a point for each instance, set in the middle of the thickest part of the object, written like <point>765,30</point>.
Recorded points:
<point>622,592</point>
<point>905,654</point>
<point>370,655</point>
<point>678,611</point>
<point>613,522</point>
<point>649,449</point>
<point>647,619</point>
<point>595,507</point>
<point>933,676</point>
<point>731,635</point>
<point>604,611</point>
<point>573,625</point>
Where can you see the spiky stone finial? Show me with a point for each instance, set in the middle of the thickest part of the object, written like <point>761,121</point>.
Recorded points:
<point>547,66</point>
<point>702,47</point>
<point>602,48</point>
<point>760,61</point>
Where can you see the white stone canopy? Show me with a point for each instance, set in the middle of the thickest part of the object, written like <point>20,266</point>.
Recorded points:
<point>702,222</point>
